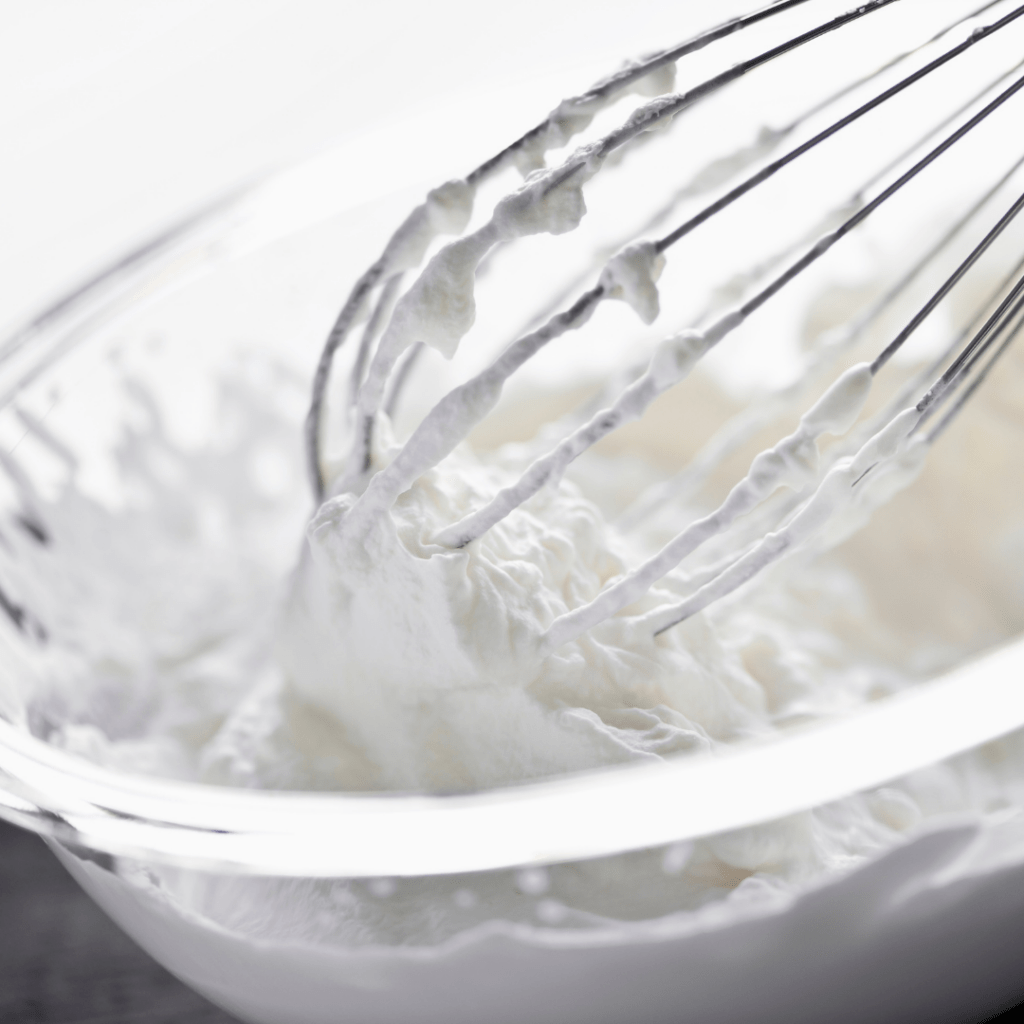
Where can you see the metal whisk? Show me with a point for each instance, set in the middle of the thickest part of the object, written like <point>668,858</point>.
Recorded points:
<point>437,307</point>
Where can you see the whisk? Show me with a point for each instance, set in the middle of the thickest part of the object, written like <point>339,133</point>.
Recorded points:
<point>420,294</point>
<point>437,308</point>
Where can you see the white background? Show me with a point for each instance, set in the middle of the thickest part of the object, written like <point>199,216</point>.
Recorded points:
<point>119,115</point>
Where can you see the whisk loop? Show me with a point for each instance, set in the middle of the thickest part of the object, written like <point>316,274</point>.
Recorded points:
<point>437,309</point>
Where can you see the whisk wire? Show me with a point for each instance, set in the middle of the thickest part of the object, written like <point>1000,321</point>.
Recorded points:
<point>980,377</point>
<point>950,283</point>
<point>776,165</point>
<point>974,349</point>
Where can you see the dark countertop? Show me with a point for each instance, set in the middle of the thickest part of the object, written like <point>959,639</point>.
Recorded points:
<point>63,962</point>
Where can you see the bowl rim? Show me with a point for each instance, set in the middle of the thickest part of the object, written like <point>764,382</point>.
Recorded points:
<point>589,814</point>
